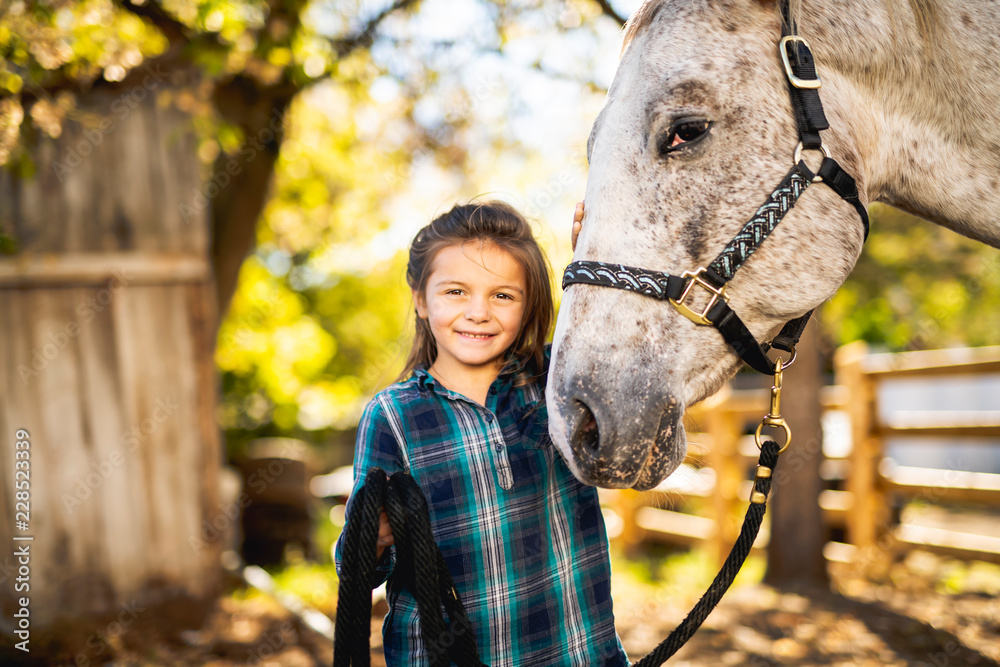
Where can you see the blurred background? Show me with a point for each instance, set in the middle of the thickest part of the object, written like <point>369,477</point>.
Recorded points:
<point>204,212</point>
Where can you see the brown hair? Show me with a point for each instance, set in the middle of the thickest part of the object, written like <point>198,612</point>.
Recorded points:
<point>499,224</point>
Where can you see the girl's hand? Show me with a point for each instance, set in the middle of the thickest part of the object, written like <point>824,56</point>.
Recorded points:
<point>384,535</point>
<point>577,222</point>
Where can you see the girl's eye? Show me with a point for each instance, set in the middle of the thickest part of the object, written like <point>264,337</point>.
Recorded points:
<point>683,132</point>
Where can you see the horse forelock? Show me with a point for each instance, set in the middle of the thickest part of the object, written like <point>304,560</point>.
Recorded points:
<point>925,14</point>
<point>646,14</point>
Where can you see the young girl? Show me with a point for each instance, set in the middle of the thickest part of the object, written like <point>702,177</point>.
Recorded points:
<point>523,539</point>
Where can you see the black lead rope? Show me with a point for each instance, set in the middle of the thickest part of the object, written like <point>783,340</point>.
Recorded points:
<point>421,566</point>
<point>734,561</point>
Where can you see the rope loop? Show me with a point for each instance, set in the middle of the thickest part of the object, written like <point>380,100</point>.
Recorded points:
<point>420,567</point>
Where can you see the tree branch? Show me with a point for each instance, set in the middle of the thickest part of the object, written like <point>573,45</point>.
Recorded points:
<point>172,29</point>
<point>364,38</point>
<point>608,10</point>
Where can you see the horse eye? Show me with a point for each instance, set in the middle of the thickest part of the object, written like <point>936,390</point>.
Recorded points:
<point>683,132</point>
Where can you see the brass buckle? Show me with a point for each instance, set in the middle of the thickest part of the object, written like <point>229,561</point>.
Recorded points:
<point>695,278</point>
<point>810,84</point>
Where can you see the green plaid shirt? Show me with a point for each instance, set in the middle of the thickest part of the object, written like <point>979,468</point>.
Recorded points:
<point>523,538</point>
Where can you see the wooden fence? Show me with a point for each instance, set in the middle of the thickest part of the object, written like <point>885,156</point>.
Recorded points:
<point>862,489</point>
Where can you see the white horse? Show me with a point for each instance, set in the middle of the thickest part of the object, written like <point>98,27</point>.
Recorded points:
<point>696,131</point>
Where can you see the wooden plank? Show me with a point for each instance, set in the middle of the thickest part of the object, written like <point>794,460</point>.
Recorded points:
<point>699,446</point>
<point>836,501</point>
<point>942,423</point>
<point>966,546</point>
<point>63,452</point>
<point>839,552</point>
<point>681,528</point>
<point>674,526</point>
<point>750,403</point>
<point>936,485</point>
<point>685,481</point>
<point>136,214</point>
<point>742,402</point>
<point>113,269</point>
<point>117,186</point>
<point>934,362</point>
<point>200,298</point>
<point>835,505</point>
<point>971,431</point>
<point>180,181</point>
<point>834,397</point>
<point>729,470</point>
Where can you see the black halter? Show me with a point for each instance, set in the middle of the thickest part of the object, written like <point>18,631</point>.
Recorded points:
<point>803,86</point>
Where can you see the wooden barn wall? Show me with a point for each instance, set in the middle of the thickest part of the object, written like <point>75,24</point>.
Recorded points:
<point>107,325</point>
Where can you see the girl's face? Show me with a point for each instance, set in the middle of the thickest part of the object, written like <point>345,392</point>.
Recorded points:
<point>474,303</point>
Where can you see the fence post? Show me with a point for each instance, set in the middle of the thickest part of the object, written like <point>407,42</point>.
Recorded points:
<point>867,515</point>
<point>627,504</point>
<point>722,426</point>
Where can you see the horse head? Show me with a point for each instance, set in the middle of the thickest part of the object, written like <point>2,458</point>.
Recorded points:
<point>696,132</point>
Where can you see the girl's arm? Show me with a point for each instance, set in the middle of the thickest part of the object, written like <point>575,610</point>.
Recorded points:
<point>376,446</point>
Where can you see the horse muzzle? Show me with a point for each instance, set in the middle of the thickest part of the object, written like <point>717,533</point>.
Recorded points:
<point>615,437</point>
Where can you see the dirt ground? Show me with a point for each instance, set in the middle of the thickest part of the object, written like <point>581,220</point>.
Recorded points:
<point>902,617</point>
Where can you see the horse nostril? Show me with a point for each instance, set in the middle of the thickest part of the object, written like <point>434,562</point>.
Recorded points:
<point>587,433</point>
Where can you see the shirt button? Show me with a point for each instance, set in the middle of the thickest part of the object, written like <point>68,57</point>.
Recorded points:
<point>493,391</point>
<point>489,418</point>
<point>499,448</point>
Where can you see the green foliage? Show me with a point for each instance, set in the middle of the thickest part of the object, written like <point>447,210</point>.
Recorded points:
<point>308,360</point>
<point>318,322</point>
<point>918,286</point>
<point>314,583</point>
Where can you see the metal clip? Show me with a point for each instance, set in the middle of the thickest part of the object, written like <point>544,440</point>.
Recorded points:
<point>774,418</point>
<point>696,278</point>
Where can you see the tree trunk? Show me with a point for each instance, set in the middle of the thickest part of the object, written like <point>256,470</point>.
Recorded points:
<point>107,328</point>
<point>240,183</point>
<point>795,552</point>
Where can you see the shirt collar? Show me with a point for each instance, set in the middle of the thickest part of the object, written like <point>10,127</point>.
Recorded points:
<point>425,380</point>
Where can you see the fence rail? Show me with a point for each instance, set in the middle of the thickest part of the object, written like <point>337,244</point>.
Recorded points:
<point>866,486</point>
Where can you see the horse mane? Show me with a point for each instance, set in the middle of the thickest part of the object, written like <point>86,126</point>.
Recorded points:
<point>925,13</point>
